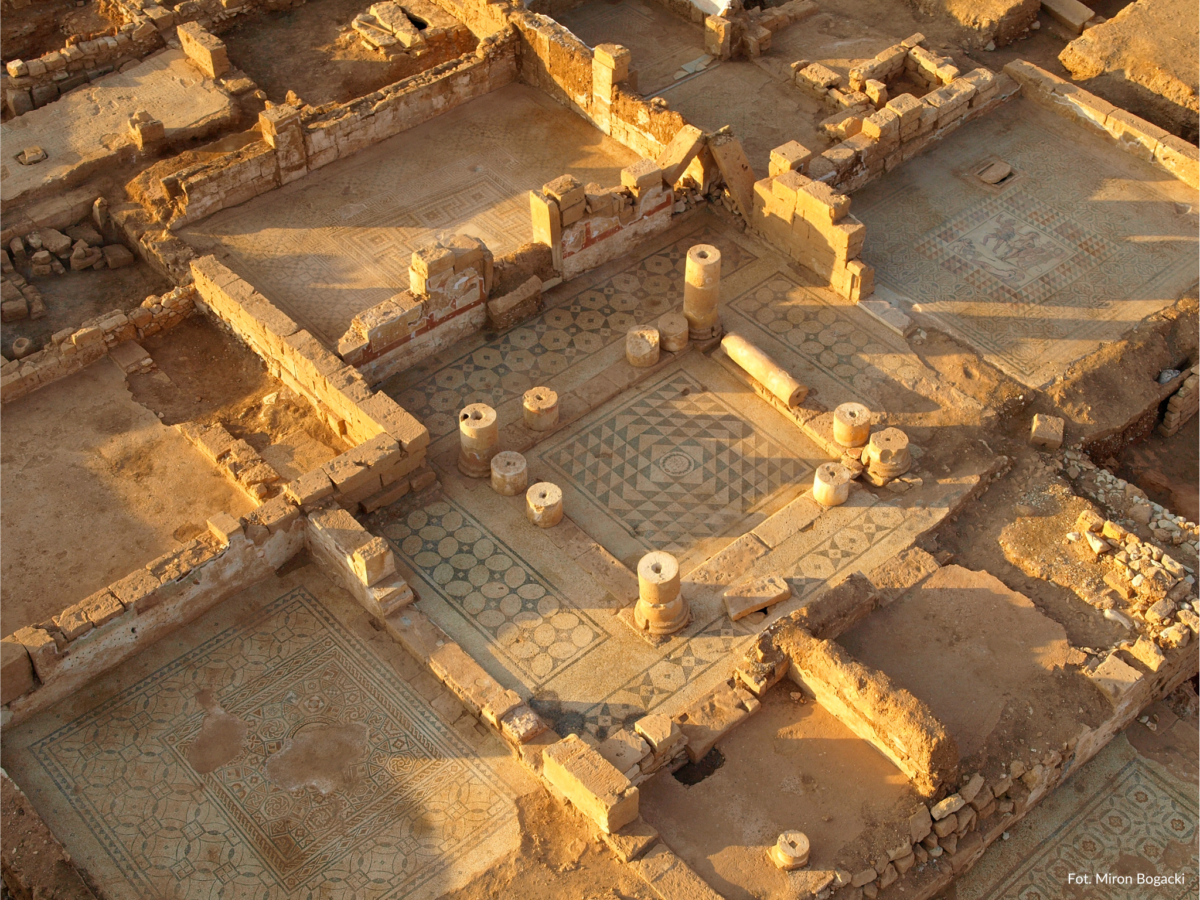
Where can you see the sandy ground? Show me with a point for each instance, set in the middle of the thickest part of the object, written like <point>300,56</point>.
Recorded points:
<point>94,486</point>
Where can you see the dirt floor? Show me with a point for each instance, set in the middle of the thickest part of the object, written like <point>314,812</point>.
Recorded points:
<point>206,376</point>
<point>45,26</point>
<point>1165,468</point>
<point>313,51</point>
<point>94,486</point>
<point>790,765</point>
<point>997,672</point>
<point>559,859</point>
<point>77,296</point>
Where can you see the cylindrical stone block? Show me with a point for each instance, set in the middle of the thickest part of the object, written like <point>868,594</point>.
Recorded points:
<point>790,851</point>
<point>831,484</point>
<point>764,370</point>
<point>543,504</point>
<point>510,473</point>
<point>673,332</point>
<point>540,408</point>
<point>21,347</point>
<point>641,346</point>
<point>661,608</point>
<point>888,455</point>
<point>702,291</point>
<point>851,424</point>
<point>479,437</point>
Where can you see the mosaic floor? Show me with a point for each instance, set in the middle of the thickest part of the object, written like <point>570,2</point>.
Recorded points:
<point>338,242</point>
<point>117,784</point>
<point>1072,251</point>
<point>1119,815</point>
<point>687,458</point>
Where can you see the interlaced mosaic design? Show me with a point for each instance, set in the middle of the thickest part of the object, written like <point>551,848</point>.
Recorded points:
<point>856,358</point>
<point>1140,815</point>
<point>675,463</point>
<point>1014,246</point>
<point>415,802</point>
<point>494,589</point>
<point>561,337</point>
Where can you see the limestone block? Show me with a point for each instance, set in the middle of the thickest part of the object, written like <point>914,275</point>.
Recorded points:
<point>644,175</point>
<point>204,50</point>
<point>755,593</point>
<point>1047,432</point>
<point>565,191</point>
<point>591,783</point>
<point>1071,13</point>
<point>625,750</point>
<point>1114,677</point>
<point>16,670</point>
<point>735,169</point>
<point>707,720</point>
<point>790,157</point>
<point>661,733</point>
<point>679,153</point>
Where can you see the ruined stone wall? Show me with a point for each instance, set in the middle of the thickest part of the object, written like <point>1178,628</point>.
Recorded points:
<point>294,143</point>
<point>449,284</point>
<point>1183,404</point>
<point>1132,134</point>
<point>554,60</point>
<point>70,350</point>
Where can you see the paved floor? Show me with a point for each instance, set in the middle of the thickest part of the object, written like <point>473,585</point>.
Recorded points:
<point>339,241</point>
<point>537,620</point>
<point>279,746</point>
<point>90,124</point>
<point>84,465</point>
<point>1131,810</point>
<point>1074,250</point>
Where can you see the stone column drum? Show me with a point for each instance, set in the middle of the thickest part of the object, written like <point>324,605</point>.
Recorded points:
<point>702,291</point>
<point>764,370</point>
<point>641,346</point>
<point>790,851</point>
<point>543,504</point>
<point>510,473</point>
<point>887,454</point>
<point>851,424</point>
<point>539,406</point>
<point>661,608</point>
<point>479,437</point>
<point>673,332</point>
<point>831,484</point>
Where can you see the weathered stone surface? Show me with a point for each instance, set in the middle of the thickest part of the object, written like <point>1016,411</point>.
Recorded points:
<point>591,783</point>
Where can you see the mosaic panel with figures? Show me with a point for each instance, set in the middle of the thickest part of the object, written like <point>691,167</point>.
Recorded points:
<point>494,588</point>
<point>1015,246</point>
<point>675,463</point>
<point>561,337</point>
<point>413,802</point>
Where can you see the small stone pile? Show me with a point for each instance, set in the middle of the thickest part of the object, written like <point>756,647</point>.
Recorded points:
<point>1158,592</point>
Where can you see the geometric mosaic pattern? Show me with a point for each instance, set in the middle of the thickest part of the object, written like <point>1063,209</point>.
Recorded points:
<point>415,802</point>
<point>842,549</point>
<point>674,463</point>
<point>559,338</point>
<point>493,588</point>
<point>1139,814</point>
<point>826,337</point>
<point>1064,260</point>
<point>1015,246</point>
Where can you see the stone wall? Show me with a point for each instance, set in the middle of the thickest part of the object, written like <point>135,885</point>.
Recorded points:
<point>881,132</point>
<point>811,222</point>
<point>1182,405</point>
<point>387,457</point>
<point>1134,135</point>
<point>449,283</point>
<point>70,350</point>
<point>294,142</point>
<point>120,620</point>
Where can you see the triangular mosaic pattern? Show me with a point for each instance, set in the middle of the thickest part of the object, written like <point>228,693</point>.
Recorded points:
<point>676,463</point>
